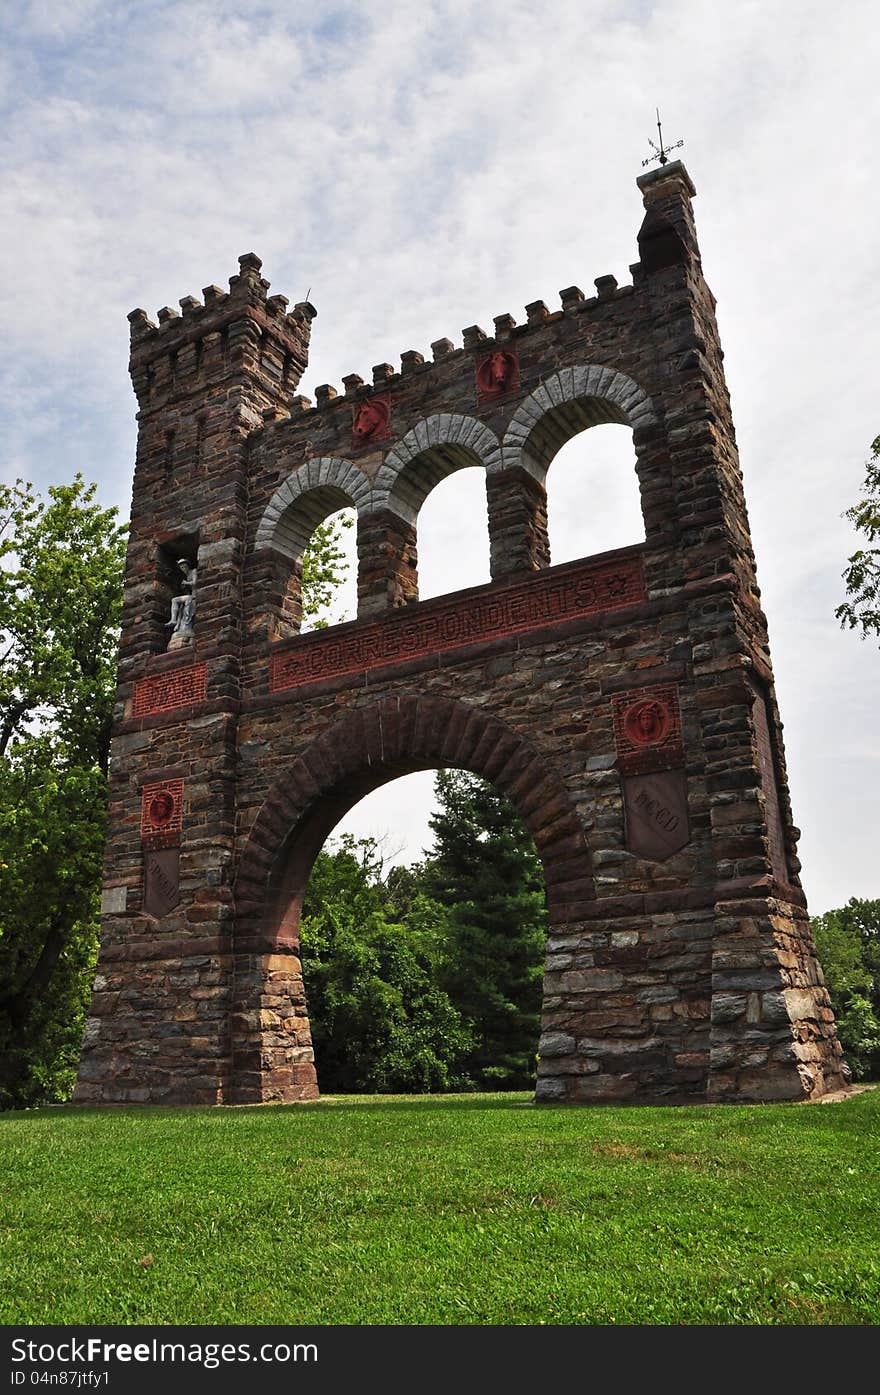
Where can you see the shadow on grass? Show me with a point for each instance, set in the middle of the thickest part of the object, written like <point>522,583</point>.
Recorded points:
<point>406,1104</point>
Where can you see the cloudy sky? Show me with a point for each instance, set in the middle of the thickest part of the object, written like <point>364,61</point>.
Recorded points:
<point>421,167</point>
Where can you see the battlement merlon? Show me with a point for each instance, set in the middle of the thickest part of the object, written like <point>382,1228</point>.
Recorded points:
<point>212,340</point>
<point>475,341</point>
<point>667,237</point>
<point>164,355</point>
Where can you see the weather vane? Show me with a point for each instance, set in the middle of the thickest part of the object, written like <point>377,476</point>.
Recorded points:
<point>661,152</point>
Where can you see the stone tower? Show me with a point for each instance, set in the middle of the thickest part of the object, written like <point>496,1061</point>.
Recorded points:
<point>624,702</point>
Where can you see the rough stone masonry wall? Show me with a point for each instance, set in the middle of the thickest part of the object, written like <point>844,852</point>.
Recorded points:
<point>626,705</point>
<point>628,975</point>
<point>161,1020</point>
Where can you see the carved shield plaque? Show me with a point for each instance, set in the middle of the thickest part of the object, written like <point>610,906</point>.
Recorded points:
<point>656,813</point>
<point>161,880</point>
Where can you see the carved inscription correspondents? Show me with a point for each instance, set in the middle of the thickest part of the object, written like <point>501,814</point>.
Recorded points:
<point>544,600</point>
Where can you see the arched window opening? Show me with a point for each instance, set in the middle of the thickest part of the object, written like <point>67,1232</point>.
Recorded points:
<point>329,572</point>
<point>453,534</point>
<point>313,507</point>
<point>593,502</point>
<point>307,579</point>
<point>423,956</point>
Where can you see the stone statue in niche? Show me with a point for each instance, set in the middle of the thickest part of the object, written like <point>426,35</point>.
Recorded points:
<point>183,607</point>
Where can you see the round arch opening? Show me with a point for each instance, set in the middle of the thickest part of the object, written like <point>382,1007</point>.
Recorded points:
<point>327,602</point>
<point>593,500</point>
<point>453,534</point>
<point>364,750</point>
<point>426,976</point>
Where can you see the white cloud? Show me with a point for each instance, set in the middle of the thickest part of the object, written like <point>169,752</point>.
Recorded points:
<point>423,168</point>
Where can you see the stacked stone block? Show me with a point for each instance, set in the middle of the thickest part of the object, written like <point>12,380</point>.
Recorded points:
<point>624,703</point>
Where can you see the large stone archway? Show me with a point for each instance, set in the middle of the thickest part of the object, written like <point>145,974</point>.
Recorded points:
<point>367,748</point>
<point>625,701</point>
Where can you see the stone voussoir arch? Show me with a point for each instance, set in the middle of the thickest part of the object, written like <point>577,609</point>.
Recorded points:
<point>568,402</point>
<point>393,737</point>
<point>433,449</point>
<point>310,493</point>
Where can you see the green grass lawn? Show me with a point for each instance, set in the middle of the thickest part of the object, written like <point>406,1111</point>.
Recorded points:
<point>466,1209</point>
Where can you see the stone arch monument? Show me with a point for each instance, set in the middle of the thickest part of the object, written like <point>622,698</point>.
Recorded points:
<point>624,702</point>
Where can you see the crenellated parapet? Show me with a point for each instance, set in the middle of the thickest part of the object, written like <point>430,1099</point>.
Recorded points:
<point>210,340</point>
<point>475,342</point>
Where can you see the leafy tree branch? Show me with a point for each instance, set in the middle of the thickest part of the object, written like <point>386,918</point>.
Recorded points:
<point>861,610</point>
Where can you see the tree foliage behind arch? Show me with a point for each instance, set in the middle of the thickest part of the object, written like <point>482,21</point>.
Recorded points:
<point>861,611</point>
<point>848,943</point>
<point>428,977</point>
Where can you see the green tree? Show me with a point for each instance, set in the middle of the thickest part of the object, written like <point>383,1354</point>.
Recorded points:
<point>52,815</point>
<point>61,572</point>
<point>60,597</point>
<point>380,1023</point>
<point>484,871</point>
<point>61,566</point>
<point>848,943</point>
<point>862,576</point>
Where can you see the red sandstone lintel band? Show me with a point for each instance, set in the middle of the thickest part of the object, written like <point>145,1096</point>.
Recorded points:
<point>542,600</point>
